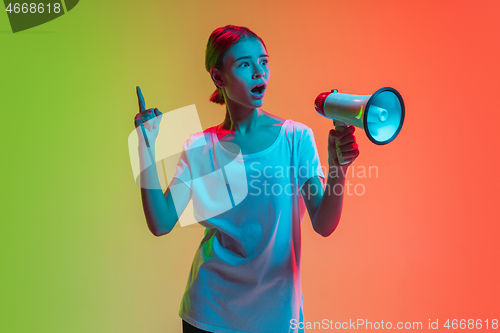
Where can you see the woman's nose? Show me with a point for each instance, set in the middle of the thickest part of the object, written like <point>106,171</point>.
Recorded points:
<point>259,72</point>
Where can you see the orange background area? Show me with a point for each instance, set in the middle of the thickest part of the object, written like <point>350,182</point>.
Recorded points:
<point>421,242</point>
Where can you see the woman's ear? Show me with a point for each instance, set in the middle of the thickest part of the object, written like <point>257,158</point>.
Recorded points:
<point>217,77</point>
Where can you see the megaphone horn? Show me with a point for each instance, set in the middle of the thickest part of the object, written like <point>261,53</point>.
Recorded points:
<point>381,114</point>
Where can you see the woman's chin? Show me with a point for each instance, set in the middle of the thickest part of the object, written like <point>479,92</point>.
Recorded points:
<point>259,100</point>
<point>252,103</point>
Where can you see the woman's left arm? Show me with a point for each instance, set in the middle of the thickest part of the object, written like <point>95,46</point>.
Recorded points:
<point>325,205</point>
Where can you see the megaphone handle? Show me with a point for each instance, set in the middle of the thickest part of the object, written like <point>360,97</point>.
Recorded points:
<point>340,127</point>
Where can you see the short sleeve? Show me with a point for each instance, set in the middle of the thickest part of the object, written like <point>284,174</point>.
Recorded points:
<point>183,167</point>
<point>309,163</point>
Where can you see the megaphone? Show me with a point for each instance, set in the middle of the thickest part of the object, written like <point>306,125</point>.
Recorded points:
<point>381,114</point>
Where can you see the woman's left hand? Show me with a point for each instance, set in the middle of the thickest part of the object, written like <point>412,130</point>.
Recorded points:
<point>345,142</point>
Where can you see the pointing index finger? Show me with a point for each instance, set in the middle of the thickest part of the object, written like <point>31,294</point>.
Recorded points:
<point>142,103</point>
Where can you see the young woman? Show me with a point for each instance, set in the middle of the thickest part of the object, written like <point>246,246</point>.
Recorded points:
<point>251,179</point>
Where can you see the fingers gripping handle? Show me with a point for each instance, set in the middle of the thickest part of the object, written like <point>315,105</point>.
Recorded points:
<point>340,127</point>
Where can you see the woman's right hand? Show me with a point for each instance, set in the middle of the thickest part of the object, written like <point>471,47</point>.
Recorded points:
<point>150,119</point>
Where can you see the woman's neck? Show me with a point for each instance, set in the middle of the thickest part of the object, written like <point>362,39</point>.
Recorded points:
<point>241,121</point>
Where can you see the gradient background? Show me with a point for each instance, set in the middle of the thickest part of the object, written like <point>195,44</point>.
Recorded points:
<point>420,244</point>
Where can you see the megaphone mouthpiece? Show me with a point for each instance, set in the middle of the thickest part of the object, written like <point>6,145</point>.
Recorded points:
<point>319,103</point>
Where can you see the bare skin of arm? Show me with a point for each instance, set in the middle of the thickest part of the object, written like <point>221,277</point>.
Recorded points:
<point>159,209</point>
<point>325,207</point>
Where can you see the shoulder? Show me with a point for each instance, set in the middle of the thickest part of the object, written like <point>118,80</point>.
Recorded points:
<point>299,128</point>
<point>198,139</point>
<point>298,125</point>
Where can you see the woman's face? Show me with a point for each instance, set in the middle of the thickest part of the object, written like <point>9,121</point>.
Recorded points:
<point>245,66</point>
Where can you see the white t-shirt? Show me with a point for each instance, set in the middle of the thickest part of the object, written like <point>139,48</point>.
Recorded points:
<point>245,275</point>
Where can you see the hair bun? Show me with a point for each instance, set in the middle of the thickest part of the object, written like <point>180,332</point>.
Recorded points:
<point>217,97</point>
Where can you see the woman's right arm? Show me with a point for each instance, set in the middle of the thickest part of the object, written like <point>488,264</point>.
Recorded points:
<point>159,208</point>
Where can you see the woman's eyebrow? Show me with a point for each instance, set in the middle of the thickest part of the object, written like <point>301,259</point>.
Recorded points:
<point>248,57</point>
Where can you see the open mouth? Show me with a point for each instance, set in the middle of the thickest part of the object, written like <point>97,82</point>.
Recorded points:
<point>259,89</point>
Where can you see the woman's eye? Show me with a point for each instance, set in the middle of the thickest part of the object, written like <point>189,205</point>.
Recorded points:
<point>246,64</point>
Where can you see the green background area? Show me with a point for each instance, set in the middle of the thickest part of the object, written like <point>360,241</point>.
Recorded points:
<point>76,254</point>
